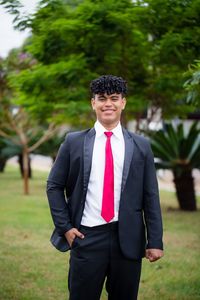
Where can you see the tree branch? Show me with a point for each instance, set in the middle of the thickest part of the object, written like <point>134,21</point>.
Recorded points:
<point>4,134</point>
<point>48,134</point>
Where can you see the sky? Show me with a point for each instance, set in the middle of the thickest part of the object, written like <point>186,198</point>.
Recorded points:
<point>10,38</point>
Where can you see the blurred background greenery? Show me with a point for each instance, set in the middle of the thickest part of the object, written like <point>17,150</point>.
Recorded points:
<point>44,93</point>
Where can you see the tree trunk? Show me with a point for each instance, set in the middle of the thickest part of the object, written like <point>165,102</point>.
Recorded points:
<point>2,164</point>
<point>20,161</point>
<point>25,170</point>
<point>185,191</point>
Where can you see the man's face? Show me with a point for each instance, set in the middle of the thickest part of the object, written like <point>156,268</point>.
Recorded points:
<point>108,108</point>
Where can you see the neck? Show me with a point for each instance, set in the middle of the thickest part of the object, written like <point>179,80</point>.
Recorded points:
<point>109,127</point>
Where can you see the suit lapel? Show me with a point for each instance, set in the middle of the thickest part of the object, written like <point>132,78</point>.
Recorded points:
<point>129,148</point>
<point>88,150</point>
<point>87,156</point>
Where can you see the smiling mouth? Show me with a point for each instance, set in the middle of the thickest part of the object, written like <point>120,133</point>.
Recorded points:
<point>108,110</point>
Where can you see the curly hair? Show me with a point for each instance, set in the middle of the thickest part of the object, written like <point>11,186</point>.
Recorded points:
<point>108,84</point>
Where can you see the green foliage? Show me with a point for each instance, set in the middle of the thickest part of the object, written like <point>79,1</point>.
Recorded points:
<point>8,149</point>
<point>192,85</point>
<point>73,44</point>
<point>14,7</point>
<point>172,28</point>
<point>19,126</point>
<point>149,43</point>
<point>55,89</point>
<point>177,149</point>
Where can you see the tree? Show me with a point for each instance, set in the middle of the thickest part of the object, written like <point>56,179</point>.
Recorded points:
<point>25,129</point>
<point>192,85</point>
<point>17,124</point>
<point>74,44</point>
<point>50,147</point>
<point>179,151</point>
<point>3,156</point>
<point>150,43</point>
<point>172,28</point>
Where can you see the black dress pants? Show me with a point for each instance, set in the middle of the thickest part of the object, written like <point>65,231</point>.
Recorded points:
<point>98,257</point>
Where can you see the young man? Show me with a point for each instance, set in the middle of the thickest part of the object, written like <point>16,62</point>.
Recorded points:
<point>104,201</point>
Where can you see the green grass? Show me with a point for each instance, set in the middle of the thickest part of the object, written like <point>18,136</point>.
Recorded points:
<point>31,269</point>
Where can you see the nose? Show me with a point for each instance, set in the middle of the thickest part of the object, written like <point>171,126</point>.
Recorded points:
<point>108,102</point>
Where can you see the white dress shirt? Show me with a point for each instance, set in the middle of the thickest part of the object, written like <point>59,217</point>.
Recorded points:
<point>92,210</point>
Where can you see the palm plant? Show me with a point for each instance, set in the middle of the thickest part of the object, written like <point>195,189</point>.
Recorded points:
<point>179,151</point>
<point>3,158</point>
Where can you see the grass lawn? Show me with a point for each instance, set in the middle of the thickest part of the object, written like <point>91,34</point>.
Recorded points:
<point>31,269</point>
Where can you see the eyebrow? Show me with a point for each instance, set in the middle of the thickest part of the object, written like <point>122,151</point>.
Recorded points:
<point>102,96</point>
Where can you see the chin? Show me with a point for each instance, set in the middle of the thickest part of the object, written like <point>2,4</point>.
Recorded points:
<point>109,120</point>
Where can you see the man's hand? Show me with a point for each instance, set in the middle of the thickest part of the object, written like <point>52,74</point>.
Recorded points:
<point>154,254</point>
<point>71,235</point>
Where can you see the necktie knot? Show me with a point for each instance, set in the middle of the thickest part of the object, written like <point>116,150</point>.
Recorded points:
<point>108,133</point>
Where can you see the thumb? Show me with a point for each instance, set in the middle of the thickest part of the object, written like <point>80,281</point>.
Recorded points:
<point>147,254</point>
<point>79,234</point>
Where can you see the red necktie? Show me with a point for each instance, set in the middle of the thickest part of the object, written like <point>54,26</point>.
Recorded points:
<point>107,211</point>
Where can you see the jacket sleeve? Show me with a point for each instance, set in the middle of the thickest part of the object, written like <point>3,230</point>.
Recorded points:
<point>151,204</point>
<point>56,184</point>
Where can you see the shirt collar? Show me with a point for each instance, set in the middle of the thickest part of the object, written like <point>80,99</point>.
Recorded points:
<point>117,131</point>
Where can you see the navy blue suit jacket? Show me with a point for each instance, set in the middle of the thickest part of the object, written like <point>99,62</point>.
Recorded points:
<point>140,222</point>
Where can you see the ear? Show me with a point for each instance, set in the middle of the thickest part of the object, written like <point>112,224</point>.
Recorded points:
<point>93,103</point>
<point>124,102</point>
